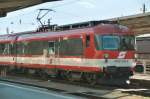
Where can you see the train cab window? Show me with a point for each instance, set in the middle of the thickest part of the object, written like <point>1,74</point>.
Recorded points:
<point>51,47</point>
<point>110,42</point>
<point>127,43</point>
<point>87,40</point>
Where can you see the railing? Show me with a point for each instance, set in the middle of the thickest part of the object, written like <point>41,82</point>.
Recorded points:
<point>147,66</point>
<point>145,63</point>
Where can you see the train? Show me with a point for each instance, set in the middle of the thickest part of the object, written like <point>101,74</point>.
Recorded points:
<point>93,51</point>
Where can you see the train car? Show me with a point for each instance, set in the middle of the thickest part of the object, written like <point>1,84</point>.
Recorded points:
<point>94,51</point>
<point>143,53</point>
<point>143,46</point>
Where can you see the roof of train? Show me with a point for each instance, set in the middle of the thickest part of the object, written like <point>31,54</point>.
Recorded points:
<point>100,28</point>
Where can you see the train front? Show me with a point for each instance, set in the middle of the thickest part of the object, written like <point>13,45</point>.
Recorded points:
<point>115,47</point>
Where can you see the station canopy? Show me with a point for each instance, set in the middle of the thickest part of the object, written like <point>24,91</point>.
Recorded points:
<point>12,5</point>
<point>139,23</point>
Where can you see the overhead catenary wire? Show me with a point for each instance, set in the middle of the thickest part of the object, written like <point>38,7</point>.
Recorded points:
<point>35,12</point>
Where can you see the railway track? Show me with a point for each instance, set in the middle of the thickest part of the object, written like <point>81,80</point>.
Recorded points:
<point>90,95</point>
<point>82,94</point>
<point>78,83</point>
<point>134,84</point>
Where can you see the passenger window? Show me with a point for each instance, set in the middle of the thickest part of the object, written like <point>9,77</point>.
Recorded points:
<point>51,49</point>
<point>71,47</point>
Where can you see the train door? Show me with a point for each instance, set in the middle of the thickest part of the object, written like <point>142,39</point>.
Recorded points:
<point>53,54</point>
<point>53,49</point>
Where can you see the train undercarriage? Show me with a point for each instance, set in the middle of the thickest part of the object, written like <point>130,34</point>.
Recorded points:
<point>110,76</point>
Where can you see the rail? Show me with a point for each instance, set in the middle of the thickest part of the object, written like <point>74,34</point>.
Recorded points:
<point>103,92</point>
<point>147,63</point>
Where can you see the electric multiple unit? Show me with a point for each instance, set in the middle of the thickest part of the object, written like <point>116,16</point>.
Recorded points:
<point>93,51</point>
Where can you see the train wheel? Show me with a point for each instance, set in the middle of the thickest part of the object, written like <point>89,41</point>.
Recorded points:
<point>69,76</point>
<point>40,73</point>
<point>91,78</point>
<point>61,74</point>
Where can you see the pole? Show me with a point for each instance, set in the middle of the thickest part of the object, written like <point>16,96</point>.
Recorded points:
<point>144,8</point>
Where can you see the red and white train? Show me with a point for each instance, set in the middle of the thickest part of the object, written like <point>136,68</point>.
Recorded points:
<point>95,50</point>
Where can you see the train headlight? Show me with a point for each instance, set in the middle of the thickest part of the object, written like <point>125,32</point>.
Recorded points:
<point>106,56</point>
<point>128,82</point>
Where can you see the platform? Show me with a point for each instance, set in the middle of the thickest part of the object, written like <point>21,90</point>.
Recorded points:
<point>142,80</point>
<point>101,93</point>
<point>141,77</point>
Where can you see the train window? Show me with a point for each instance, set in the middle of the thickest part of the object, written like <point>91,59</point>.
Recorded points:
<point>110,42</point>
<point>5,48</point>
<point>107,42</point>
<point>71,47</point>
<point>12,48</point>
<point>127,43</point>
<point>21,48</point>
<point>36,47</point>
<point>68,47</point>
<point>87,40</point>
<point>51,49</point>
<point>2,47</point>
<point>32,48</point>
<point>57,46</point>
<point>98,42</point>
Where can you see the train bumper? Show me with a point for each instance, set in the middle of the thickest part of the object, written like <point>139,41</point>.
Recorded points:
<point>118,72</point>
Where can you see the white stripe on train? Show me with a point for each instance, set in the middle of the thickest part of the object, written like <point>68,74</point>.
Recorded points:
<point>69,61</point>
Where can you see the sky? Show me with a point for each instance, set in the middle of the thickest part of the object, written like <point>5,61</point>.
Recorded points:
<point>70,11</point>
